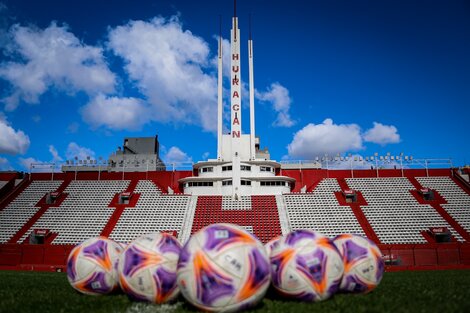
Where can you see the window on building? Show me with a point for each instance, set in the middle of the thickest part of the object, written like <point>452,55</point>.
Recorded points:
<point>246,182</point>
<point>201,184</point>
<point>265,169</point>
<point>245,167</point>
<point>227,183</point>
<point>206,169</point>
<point>273,183</point>
<point>226,168</point>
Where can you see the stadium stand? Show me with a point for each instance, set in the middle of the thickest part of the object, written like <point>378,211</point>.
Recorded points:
<point>320,211</point>
<point>84,212</point>
<point>23,207</point>
<point>394,213</point>
<point>388,209</point>
<point>457,200</point>
<point>154,212</point>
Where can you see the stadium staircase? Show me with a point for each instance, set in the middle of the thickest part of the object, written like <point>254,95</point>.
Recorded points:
<point>7,184</point>
<point>461,182</point>
<point>356,208</point>
<point>119,208</point>
<point>15,192</point>
<point>313,185</point>
<point>43,208</point>
<point>437,204</point>
<point>159,186</point>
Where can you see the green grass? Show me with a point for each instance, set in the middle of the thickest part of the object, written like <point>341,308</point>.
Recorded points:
<point>426,291</point>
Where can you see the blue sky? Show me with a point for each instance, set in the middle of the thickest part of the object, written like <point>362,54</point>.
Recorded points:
<point>358,77</point>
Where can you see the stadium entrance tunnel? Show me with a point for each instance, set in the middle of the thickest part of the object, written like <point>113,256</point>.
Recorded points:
<point>427,194</point>
<point>39,236</point>
<point>440,234</point>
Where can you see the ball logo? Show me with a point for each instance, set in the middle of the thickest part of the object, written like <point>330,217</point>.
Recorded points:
<point>96,285</point>
<point>221,234</point>
<point>234,263</point>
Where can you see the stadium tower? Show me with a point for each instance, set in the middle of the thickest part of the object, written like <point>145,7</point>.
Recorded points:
<point>240,168</point>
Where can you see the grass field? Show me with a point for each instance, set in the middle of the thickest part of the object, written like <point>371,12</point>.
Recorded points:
<point>426,291</point>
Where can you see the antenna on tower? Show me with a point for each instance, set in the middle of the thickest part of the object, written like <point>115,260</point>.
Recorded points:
<point>220,36</point>
<point>249,26</point>
<point>235,20</point>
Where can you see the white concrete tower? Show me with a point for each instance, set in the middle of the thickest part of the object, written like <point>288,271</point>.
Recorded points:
<point>219,96</point>
<point>237,171</point>
<point>252,97</point>
<point>235,103</point>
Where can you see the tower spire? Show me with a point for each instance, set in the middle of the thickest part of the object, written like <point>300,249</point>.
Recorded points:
<point>252,96</point>
<point>235,104</point>
<point>249,27</point>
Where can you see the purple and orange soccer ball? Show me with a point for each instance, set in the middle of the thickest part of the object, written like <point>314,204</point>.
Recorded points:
<point>363,263</point>
<point>91,266</point>
<point>223,268</point>
<point>306,265</point>
<point>147,268</point>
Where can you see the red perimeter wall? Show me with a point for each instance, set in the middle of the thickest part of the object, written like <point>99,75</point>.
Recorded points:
<point>408,257</point>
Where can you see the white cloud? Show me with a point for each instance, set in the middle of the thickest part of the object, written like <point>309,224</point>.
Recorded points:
<point>27,162</point>
<point>36,165</point>
<point>382,134</point>
<point>12,141</point>
<point>170,67</point>
<point>116,113</point>
<point>36,118</point>
<point>175,155</point>
<point>53,57</point>
<point>225,57</point>
<point>279,97</point>
<point>5,165</point>
<point>55,155</point>
<point>73,128</point>
<point>326,138</point>
<point>205,155</point>
<point>74,150</point>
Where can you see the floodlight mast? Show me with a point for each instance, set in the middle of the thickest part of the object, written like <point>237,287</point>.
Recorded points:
<point>219,94</point>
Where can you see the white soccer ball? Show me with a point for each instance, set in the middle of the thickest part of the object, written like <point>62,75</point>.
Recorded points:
<point>306,265</point>
<point>147,268</point>
<point>91,266</point>
<point>363,263</point>
<point>223,268</point>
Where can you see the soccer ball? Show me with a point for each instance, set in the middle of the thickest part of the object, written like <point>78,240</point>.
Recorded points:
<point>147,268</point>
<point>223,268</point>
<point>363,263</point>
<point>91,266</point>
<point>306,265</point>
